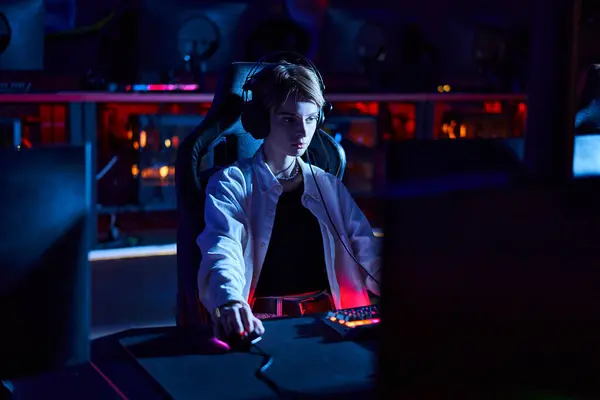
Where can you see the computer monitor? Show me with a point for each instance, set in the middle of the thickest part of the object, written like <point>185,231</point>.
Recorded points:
<point>45,201</point>
<point>21,35</point>
<point>492,287</point>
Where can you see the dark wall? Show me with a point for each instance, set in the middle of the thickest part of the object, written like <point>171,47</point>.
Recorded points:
<point>450,29</point>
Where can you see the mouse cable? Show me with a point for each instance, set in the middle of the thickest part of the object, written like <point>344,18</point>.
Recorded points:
<point>261,372</point>
<point>339,237</point>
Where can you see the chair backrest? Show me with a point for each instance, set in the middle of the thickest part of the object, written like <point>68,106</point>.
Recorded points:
<point>587,118</point>
<point>217,142</point>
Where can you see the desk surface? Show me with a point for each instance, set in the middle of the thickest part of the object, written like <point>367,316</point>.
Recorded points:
<point>308,361</point>
<point>82,382</point>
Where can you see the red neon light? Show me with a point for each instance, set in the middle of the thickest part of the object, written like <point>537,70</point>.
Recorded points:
<point>492,107</point>
<point>105,97</point>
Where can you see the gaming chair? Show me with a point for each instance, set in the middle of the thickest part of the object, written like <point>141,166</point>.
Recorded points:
<point>217,142</point>
<point>587,117</point>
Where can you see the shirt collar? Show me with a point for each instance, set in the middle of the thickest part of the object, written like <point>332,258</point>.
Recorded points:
<point>267,180</point>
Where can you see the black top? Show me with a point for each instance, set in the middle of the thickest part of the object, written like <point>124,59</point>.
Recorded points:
<point>295,261</point>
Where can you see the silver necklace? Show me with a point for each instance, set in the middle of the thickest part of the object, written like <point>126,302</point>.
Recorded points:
<point>293,175</point>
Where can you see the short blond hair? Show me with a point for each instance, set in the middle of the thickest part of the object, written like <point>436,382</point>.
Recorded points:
<point>273,85</point>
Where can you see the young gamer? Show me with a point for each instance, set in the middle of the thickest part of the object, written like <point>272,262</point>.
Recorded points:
<point>282,236</point>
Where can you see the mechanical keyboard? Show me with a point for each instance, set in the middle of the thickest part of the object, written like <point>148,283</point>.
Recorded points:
<point>354,323</point>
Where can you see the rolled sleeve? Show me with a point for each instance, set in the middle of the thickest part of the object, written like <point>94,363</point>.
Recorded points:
<point>221,276</point>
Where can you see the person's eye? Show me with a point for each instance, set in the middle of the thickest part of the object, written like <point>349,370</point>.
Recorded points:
<point>288,120</point>
<point>312,119</point>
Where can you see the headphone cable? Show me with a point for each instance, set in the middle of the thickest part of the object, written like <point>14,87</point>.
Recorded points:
<point>261,372</point>
<point>331,220</point>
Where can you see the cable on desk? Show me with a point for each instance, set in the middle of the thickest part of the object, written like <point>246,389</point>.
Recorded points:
<point>108,381</point>
<point>261,372</point>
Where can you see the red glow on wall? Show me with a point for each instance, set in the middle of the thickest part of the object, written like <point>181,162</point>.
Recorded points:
<point>370,108</point>
<point>492,107</point>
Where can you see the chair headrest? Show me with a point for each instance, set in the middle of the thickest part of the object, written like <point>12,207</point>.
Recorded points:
<point>223,120</point>
<point>232,79</point>
<point>226,110</point>
<point>587,118</point>
<point>235,76</point>
<point>589,86</point>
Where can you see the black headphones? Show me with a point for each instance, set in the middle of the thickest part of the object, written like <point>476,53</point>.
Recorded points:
<point>255,115</point>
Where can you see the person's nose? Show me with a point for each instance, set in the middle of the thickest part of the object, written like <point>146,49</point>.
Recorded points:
<point>301,129</point>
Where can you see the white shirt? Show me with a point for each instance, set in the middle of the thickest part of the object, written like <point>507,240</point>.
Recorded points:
<point>241,201</point>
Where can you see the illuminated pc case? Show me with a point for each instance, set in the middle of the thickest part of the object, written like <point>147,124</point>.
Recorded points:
<point>495,120</point>
<point>146,176</point>
<point>10,133</point>
<point>158,137</point>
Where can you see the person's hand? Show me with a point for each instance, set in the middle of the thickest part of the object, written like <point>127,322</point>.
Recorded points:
<point>236,318</point>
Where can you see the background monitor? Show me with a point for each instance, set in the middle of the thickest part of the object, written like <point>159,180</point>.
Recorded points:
<point>21,35</point>
<point>45,202</point>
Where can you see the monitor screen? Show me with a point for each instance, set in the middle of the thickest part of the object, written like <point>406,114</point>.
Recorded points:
<point>45,202</point>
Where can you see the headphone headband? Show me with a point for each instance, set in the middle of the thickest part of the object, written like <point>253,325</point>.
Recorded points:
<point>278,57</point>
<point>255,119</point>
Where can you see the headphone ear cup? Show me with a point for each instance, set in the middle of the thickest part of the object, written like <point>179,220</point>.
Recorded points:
<point>325,110</point>
<point>255,120</point>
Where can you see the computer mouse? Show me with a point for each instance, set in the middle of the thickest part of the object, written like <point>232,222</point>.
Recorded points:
<point>217,346</point>
<point>238,342</point>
